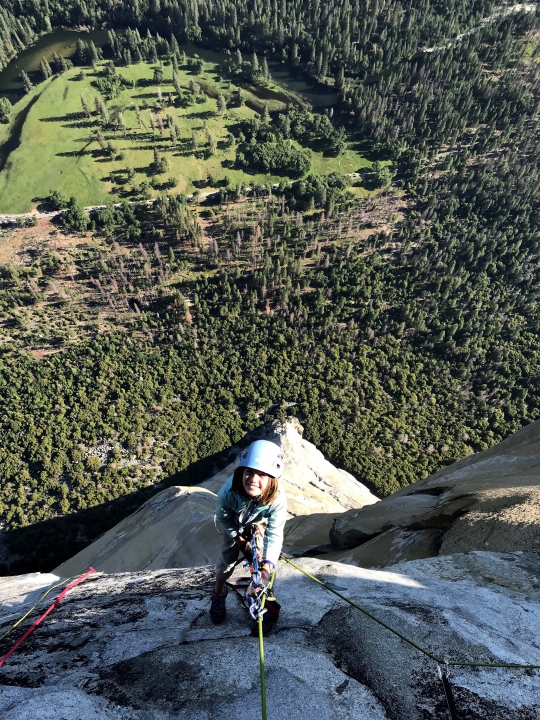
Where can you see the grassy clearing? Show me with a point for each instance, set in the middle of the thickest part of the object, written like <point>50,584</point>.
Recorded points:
<point>47,155</point>
<point>58,148</point>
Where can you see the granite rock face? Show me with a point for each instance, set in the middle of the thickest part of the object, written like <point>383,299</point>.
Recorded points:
<point>140,646</point>
<point>488,501</point>
<point>176,528</point>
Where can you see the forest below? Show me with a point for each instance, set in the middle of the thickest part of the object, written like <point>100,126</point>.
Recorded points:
<point>402,345</point>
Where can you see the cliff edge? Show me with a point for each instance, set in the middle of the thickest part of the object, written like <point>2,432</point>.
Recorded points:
<point>489,501</point>
<point>140,646</point>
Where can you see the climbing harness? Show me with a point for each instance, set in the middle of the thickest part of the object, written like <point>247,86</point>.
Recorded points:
<point>446,664</point>
<point>79,579</point>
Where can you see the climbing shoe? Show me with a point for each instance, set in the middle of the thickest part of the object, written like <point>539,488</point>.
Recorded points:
<point>218,609</point>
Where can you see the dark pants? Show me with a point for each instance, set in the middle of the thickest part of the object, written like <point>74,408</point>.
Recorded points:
<point>230,553</point>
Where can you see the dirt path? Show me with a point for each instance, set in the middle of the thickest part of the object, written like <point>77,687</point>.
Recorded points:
<point>41,215</point>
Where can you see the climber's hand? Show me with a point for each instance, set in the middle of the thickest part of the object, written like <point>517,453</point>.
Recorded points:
<point>241,542</point>
<point>264,581</point>
<point>265,578</point>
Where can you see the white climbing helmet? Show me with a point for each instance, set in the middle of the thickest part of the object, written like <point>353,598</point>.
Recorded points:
<point>264,456</point>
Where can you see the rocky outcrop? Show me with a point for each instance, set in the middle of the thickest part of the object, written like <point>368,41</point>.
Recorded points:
<point>173,529</point>
<point>176,527</point>
<point>488,501</point>
<point>140,646</point>
<point>312,484</point>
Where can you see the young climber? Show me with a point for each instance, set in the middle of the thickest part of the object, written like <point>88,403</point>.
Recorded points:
<point>251,496</point>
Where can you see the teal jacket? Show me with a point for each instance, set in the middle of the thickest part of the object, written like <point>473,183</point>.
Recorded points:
<point>234,512</point>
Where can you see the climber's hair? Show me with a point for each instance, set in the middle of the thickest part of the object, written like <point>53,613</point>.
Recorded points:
<point>269,495</point>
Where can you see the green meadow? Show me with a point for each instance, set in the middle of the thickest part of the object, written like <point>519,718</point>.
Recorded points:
<point>58,148</point>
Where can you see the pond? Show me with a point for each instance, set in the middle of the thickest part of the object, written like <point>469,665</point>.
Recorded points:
<point>62,42</point>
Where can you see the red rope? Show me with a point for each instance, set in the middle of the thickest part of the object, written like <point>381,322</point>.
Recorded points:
<point>49,609</point>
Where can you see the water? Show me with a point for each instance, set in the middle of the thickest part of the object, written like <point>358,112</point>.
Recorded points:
<point>62,42</point>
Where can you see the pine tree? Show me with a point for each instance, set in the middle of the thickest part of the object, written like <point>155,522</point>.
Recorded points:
<point>340,79</point>
<point>287,126</point>
<point>319,63</point>
<point>265,114</point>
<point>45,69</point>
<point>194,140</point>
<point>82,53</point>
<point>324,69</point>
<point>222,105</point>
<point>85,107</point>
<point>176,83</point>
<point>101,139</point>
<point>255,65</point>
<point>122,123</point>
<point>94,53</point>
<point>113,42</point>
<point>264,69</point>
<point>28,86</point>
<point>104,112</point>
<point>56,63</point>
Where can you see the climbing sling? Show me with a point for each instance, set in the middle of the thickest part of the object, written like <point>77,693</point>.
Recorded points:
<point>443,674</point>
<point>79,579</point>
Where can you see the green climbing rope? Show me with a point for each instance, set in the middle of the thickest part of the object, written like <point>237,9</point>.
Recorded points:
<point>261,653</point>
<point>406,639</point>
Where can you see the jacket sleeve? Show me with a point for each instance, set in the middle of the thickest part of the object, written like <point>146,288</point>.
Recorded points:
<point>273,538</point>
<point>225,512</point>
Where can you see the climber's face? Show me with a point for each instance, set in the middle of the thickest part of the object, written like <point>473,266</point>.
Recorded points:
<point>255,483</point>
